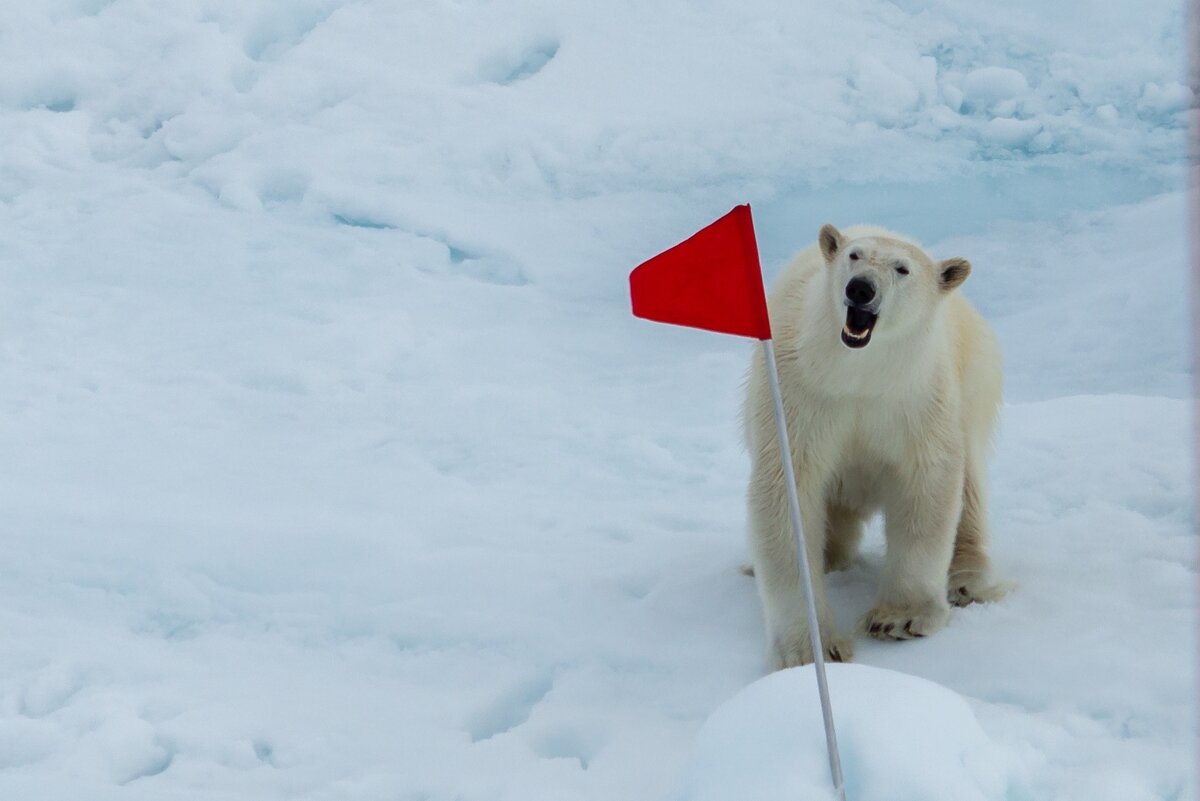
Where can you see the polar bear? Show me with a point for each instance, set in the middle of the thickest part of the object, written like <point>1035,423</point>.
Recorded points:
<point>891,387</point>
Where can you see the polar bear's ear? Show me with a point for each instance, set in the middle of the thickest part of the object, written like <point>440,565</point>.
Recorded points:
<point>831,241</point>
<point>952,272</point>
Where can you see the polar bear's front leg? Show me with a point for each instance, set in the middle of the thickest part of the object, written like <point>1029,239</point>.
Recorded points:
<point>971,579</point>
<point>777,570</point>
<point>921,520</point>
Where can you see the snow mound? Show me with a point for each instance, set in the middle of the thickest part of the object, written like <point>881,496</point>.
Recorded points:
<point>901,738</point>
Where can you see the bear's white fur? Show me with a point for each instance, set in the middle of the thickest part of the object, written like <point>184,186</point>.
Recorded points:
<point>897,419</point>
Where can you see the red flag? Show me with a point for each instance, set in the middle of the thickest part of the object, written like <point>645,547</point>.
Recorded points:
<point>712,280</point>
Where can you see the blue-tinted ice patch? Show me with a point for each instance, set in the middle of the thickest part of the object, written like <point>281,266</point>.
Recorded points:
<point>508,68</point>
<point>511,708</point>
<point>61,105</point>
<point>264,751</point>
<point>356,221</point>
<point>49,87</point>
<point>952,206</point>
<point>458,255</point>
<point>566,743</point>
<point>280,185</point>
<point>494,270</point>
<point>490,268</point>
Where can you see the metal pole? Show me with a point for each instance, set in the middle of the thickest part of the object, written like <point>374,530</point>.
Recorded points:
<point>814,629</point>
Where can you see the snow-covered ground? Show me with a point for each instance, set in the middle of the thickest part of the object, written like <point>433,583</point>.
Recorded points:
<point>334,466</point>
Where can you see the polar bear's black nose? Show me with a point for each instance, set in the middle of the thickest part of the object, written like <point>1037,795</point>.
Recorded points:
<point>860,292</point>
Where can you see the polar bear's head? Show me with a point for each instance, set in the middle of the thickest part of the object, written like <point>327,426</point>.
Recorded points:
<point>884,283</point>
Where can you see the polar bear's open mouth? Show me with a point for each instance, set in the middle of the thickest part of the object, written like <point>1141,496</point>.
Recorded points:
<point>856,333</point>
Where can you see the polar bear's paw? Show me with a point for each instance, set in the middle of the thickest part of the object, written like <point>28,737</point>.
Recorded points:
<point>964,589</point>
<point>795,650</point>
<point>905,622</point>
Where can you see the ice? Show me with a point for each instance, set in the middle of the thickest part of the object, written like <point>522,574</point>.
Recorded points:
<point>1014,134</point>
<point>983,89</point>
<point>1174,97</point>
<point>334,465</point>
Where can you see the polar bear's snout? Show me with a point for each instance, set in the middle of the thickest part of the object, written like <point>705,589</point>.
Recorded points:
<point>861,312</point>
<point>860,292</point>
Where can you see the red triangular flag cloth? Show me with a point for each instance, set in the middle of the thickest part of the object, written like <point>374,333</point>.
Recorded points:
<point>712,280</point>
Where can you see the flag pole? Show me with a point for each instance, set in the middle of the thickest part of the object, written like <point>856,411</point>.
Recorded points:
<point>713,280</point>
<point>814,629</point>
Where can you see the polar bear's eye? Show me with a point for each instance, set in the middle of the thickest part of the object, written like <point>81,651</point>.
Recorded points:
<point>854,255</point>
<point>900,268</point>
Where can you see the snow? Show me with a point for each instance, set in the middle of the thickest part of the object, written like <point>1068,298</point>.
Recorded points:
<point>988,86</point>
<point>900,737</point>
<point>335,466</point>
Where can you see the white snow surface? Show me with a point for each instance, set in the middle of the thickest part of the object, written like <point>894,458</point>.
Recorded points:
<point>901,738</point>
<point>336,468</point>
